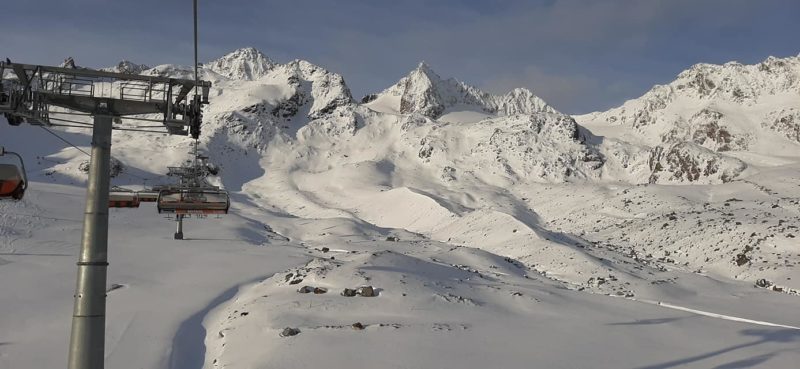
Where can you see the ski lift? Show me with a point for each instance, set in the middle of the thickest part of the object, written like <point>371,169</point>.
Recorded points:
<point>200,201</point>
<point>13,180</point>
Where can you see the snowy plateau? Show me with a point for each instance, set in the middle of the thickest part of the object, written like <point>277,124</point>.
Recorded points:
<point>494,230</point>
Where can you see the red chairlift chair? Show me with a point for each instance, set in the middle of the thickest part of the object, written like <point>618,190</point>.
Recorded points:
<point>193,201</point>
<point>13,179</point>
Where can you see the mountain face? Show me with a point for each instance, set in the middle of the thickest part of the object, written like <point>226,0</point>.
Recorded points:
<point>710,111</point>
<point>261,101</point>
<point>726,107</point>
<point>127,67</point>
<point>425,92</point>
<point>540,147</point>
<point>689,162</point>
<point>298,83</point>
<point>243,64</point>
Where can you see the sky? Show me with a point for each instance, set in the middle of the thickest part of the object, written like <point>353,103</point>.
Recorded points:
<point>578,55</point>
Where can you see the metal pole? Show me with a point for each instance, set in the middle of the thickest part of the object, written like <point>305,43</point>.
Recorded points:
<point>179,231</point>
<point>194,7</point>
<point>87,342</point>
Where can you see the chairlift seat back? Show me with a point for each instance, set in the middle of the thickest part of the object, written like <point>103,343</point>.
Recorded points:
<point>12,184</point>
<point>123,200</point>
<point>193,201</point>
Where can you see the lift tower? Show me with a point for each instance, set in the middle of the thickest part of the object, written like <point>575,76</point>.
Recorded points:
<point>47,96</point>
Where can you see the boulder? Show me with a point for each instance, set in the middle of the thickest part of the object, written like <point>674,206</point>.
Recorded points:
<point>288,332</point>
<point>366,291</point>
<point>307,289</point>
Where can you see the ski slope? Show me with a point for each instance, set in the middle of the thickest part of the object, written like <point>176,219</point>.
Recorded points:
<point>221,299</point>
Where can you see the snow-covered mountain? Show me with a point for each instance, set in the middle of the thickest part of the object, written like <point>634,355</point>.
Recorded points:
<point>242,64</point>
<point>128,67</point>
<point>711,121</point>
<point>301,110</point>
<point>425,92</point>
<point>710,125</point>
<point>539,147</point>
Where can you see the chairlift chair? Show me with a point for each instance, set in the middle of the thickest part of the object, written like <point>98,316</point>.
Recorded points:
<point>148,196</point>
<point>13,179</point>
<point>123,199</point>
<point>198,201</point>
<point>120,197</point>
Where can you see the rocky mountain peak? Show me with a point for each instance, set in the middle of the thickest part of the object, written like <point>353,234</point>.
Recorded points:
<point>425,71</point>
<point>738,82</point>
<point>127,67</point>
<point>328,90</point>
<point>424,92</point>
<point>243,64</point>
<point>68,62</point>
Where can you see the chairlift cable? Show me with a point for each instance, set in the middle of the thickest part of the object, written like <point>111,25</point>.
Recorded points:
<point>87,124</point>
<point>140,130</point>
<point>69,143</point>
<point>67,125</point>
<point>120,117</point>
<point>65,140</point>
<point>195,48</point>
<point>116,129</point>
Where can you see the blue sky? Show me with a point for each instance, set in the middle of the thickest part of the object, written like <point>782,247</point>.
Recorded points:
<point>579,55</point>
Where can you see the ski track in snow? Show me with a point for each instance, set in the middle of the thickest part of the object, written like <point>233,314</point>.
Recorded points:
<point>713,315</point>
<point>188,345</point>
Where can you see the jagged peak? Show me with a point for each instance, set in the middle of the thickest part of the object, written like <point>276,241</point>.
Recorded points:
<point>426,69</point>
<point>731,81</point>
<point>308,70</point>
<point>424,91</point>
<point>305,65</point>
<point>738,67</point>
<point>247,52</point>
<point>423,71</point>
<point>68,62</point>
<point>520,91</point>
<point>128,67</point>
<point>246,63</point>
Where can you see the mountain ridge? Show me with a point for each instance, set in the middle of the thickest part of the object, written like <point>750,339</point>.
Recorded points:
<point>297,100</point>
<point>423,91</point>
